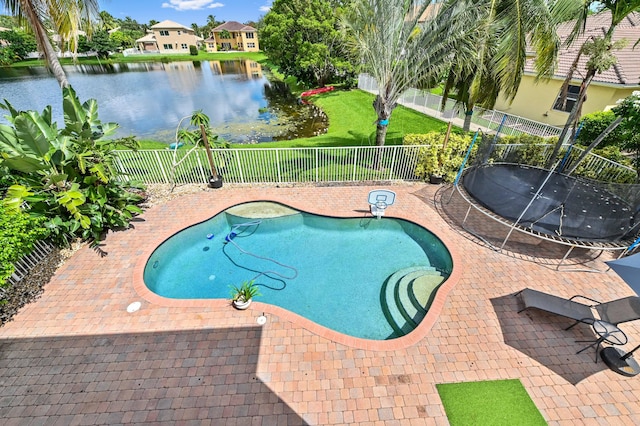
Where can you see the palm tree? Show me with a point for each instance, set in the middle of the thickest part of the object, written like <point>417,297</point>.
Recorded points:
<point>107,21</point>
<point>598,49</point>
<point>65,16</point>
<point>501,41</point>
<point>195,28</point>
<point>399,50</point>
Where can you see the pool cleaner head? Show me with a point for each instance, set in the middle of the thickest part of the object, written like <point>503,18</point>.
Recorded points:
<point>230,236</point>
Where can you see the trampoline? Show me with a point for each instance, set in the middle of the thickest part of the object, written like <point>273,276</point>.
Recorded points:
<point>555,204</point>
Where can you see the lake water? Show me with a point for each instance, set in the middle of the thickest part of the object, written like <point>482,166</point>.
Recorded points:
<point>148,100</point>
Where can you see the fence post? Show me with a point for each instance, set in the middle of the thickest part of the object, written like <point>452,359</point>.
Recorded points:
<point>393,161</point>
<point>355,162</point>
<point>317,163</point>
<point>278,164</point>
<point>164,174</point>
<point>203,175</point>
<point>239,167</point>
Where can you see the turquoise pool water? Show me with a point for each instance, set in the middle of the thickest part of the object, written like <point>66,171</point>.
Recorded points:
<point>344,274</point>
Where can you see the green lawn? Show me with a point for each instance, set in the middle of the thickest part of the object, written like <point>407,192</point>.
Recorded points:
<point>487,403</point>
<point>351,122</point>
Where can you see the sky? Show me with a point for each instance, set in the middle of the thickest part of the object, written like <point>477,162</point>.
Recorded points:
<point>187,12</point>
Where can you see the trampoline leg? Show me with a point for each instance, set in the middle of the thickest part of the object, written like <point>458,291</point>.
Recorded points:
<point>565,257</point>
<point>466,215</point>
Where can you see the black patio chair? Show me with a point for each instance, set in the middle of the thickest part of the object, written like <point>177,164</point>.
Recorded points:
<point>613,312</point>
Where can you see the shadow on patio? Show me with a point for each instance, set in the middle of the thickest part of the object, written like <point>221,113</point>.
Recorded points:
<point>543,338</point>
<point>140,377</point>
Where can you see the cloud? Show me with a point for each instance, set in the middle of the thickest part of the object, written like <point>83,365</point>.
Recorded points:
<point>266,7</point>
<point>191,4</point>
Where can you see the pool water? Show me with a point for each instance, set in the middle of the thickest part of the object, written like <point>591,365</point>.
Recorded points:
<point>342,273</point>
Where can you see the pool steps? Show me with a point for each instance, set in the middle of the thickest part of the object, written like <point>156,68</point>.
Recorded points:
<point>406,296</point>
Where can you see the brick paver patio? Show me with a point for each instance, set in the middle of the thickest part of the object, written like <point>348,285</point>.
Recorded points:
<point>76,356</point>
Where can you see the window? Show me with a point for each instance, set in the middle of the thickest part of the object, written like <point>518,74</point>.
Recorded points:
<point>249,35</point>
<point>572,97</point>
<point>167,46</point>
<point>184,46</point>
<point>179,32</point>
<point>251,45</point>
<point>164,32</point>
<point>211,45</point>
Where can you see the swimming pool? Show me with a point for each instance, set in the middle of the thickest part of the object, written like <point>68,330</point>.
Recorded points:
<point>364,277</point>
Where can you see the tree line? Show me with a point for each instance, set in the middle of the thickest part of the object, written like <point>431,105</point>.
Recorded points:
<point>105,34</point>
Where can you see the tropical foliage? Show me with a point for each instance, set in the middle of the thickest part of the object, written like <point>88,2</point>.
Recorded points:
<point>66,176</point>
<point>65,17</point>
<point>599,50</point>
<point>592,125</point>
<point>302,38</point>
<point>245,292</point>
<point>629,109</point>
<point>19,45</point>
<point>443,157</point>
<point>100,42</point>
<point>18,233</point>
<point>627,113</point>
<point>501,42</point>
<point>399,50</point>
<point>200,132</point>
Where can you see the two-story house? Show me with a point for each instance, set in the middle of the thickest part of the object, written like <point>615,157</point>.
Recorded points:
<point>168,37</point>
<point>233,35</point>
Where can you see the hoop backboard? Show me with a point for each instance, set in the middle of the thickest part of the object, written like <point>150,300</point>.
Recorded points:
<point>382,196</point>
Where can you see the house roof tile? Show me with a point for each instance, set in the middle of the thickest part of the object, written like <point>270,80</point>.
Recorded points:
<point>169,24</point>
<point>148,37</point>
<point>625,72</point>
<point>233,26</point>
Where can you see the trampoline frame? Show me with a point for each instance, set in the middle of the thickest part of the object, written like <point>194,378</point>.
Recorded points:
<point>622,245</point>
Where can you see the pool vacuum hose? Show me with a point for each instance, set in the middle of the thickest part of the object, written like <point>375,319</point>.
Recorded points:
<point>229,239</point>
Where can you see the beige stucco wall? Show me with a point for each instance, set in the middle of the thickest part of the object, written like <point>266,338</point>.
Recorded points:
<point>210,46</point>
<point>179,38</point>
<point>239,40</point>
<point>246,41</point>
<point>535,100</point>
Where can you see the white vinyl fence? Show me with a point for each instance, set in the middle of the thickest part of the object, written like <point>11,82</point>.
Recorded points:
<point>428,103</point>
<point>272,165</point>
<point>593,166</point>
<point>22,267</point>
<point>316,165</point>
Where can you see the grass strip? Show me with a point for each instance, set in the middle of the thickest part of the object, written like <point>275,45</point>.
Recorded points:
<point>119,58</point>
<point>486,403</point>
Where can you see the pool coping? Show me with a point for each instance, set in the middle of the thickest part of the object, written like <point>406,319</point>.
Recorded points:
<point>419,333</point>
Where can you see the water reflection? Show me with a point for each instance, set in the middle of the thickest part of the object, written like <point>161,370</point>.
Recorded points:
<point>149,99</point>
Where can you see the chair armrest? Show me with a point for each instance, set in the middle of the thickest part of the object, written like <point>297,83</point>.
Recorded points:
<point>596,302</point>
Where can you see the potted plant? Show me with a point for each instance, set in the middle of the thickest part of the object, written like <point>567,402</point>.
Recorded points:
<point>241,296</point>
<point>437,175</point>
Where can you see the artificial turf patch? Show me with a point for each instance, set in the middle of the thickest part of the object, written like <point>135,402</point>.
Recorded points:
<point>497,402</point>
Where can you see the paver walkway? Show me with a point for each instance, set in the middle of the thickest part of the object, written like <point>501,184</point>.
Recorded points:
<point>76,356</point>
